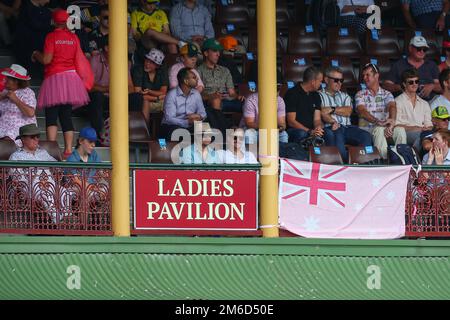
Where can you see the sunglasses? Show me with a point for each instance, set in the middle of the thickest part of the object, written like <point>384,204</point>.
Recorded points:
<point>336,80</point>
<point>105,17</point>
<point>411,82</point>
<point>424,49</point>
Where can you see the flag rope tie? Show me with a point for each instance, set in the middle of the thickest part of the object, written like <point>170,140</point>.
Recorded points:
<point>266,226</point>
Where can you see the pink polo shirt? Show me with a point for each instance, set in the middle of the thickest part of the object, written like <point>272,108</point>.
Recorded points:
<point>174,72</point>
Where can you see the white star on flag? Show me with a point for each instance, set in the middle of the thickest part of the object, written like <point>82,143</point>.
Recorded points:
<point>311,224</point>
<point>376,183</point>
<point>391,195</point>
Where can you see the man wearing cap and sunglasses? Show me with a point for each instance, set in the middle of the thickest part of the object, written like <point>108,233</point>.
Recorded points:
<point>377,111</point>
<point>336,111</point>
<point>427,69</point>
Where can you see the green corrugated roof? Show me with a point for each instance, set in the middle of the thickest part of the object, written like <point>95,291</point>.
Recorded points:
<point>222,268</point>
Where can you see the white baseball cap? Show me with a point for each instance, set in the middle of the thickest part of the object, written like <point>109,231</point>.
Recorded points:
<point>419,42</point>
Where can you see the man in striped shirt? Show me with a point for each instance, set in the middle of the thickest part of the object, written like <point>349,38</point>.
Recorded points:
<point>336,111</point>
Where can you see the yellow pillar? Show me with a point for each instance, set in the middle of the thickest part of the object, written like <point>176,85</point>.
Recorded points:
<point>118,106</point>
<point>267,91</point>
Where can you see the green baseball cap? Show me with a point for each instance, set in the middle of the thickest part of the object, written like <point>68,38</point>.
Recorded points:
<point>440,112</point>
<point>212,44</point>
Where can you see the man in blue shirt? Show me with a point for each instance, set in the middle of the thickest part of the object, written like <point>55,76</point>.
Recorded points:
<point>191,22</point>
<point>426,13</point>
<point>183,105</point>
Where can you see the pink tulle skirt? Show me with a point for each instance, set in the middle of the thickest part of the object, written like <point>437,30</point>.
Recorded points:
<point>63,88</point>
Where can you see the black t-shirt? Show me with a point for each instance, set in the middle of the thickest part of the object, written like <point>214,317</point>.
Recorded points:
<point>304,104</point>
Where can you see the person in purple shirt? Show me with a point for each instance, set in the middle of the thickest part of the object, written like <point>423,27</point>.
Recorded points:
<point>183,105</point>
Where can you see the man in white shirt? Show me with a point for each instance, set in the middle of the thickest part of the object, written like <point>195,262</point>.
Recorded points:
<point>413,113</point>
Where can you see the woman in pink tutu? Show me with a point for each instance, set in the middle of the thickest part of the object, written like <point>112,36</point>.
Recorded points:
<point>62,89</point>
<point>17,103</point>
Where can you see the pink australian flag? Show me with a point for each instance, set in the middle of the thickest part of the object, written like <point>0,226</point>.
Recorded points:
<point>325,201</point>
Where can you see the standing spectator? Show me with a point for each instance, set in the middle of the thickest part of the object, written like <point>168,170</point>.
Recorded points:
<point>250,118</point>
<point>377,111</point>
<point>191,22</point>
<point>62,89</point>
<point>303,107</point>
<point>354,14</point>
<point>151,26</point>
<point>188,59</point>
<point>440,119</point>
<point>444,98</point>
<point>32,27</point>
<point>427,69</point>
<point>439,153</point>
<point>17,102</point>
<point>151,81</point>
<point>430,14</point>
<point>336,111</point>
<point>9,10</point>
<point>445,64</point>
<point>183,105</point>
<point>413,113</point>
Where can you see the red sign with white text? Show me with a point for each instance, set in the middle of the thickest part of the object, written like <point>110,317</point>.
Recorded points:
<point>195,200</point>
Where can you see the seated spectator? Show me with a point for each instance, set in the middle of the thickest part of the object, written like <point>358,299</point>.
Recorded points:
<point>84,152</point>
<point>303,107</point>
<point>413,113</point>
<point>90,12</point>
<point>201,151</point>
<point>444,98</point>
<point>440,119</point>
<point>209,4</point>
<point>9,11</point>
<point>190,21</point>
<point>439,153</point>
<point>183,105</point>
<point>377,111</point>
<point>430,14</point>
<point>33,24</point>
<point>336,111</point>
<point>427,69</point>
<point>150,26</point>
<point>188,59</point>
<point>101,31</point>
<point>236,153</point>
<point>152,81</point>
<point>250,118</point>
<point>31,151</point>
<point>219,93</point>
<point>354,14</point>
<point>99,94</point>
<point>445,64</point>
<point>17,102</point>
